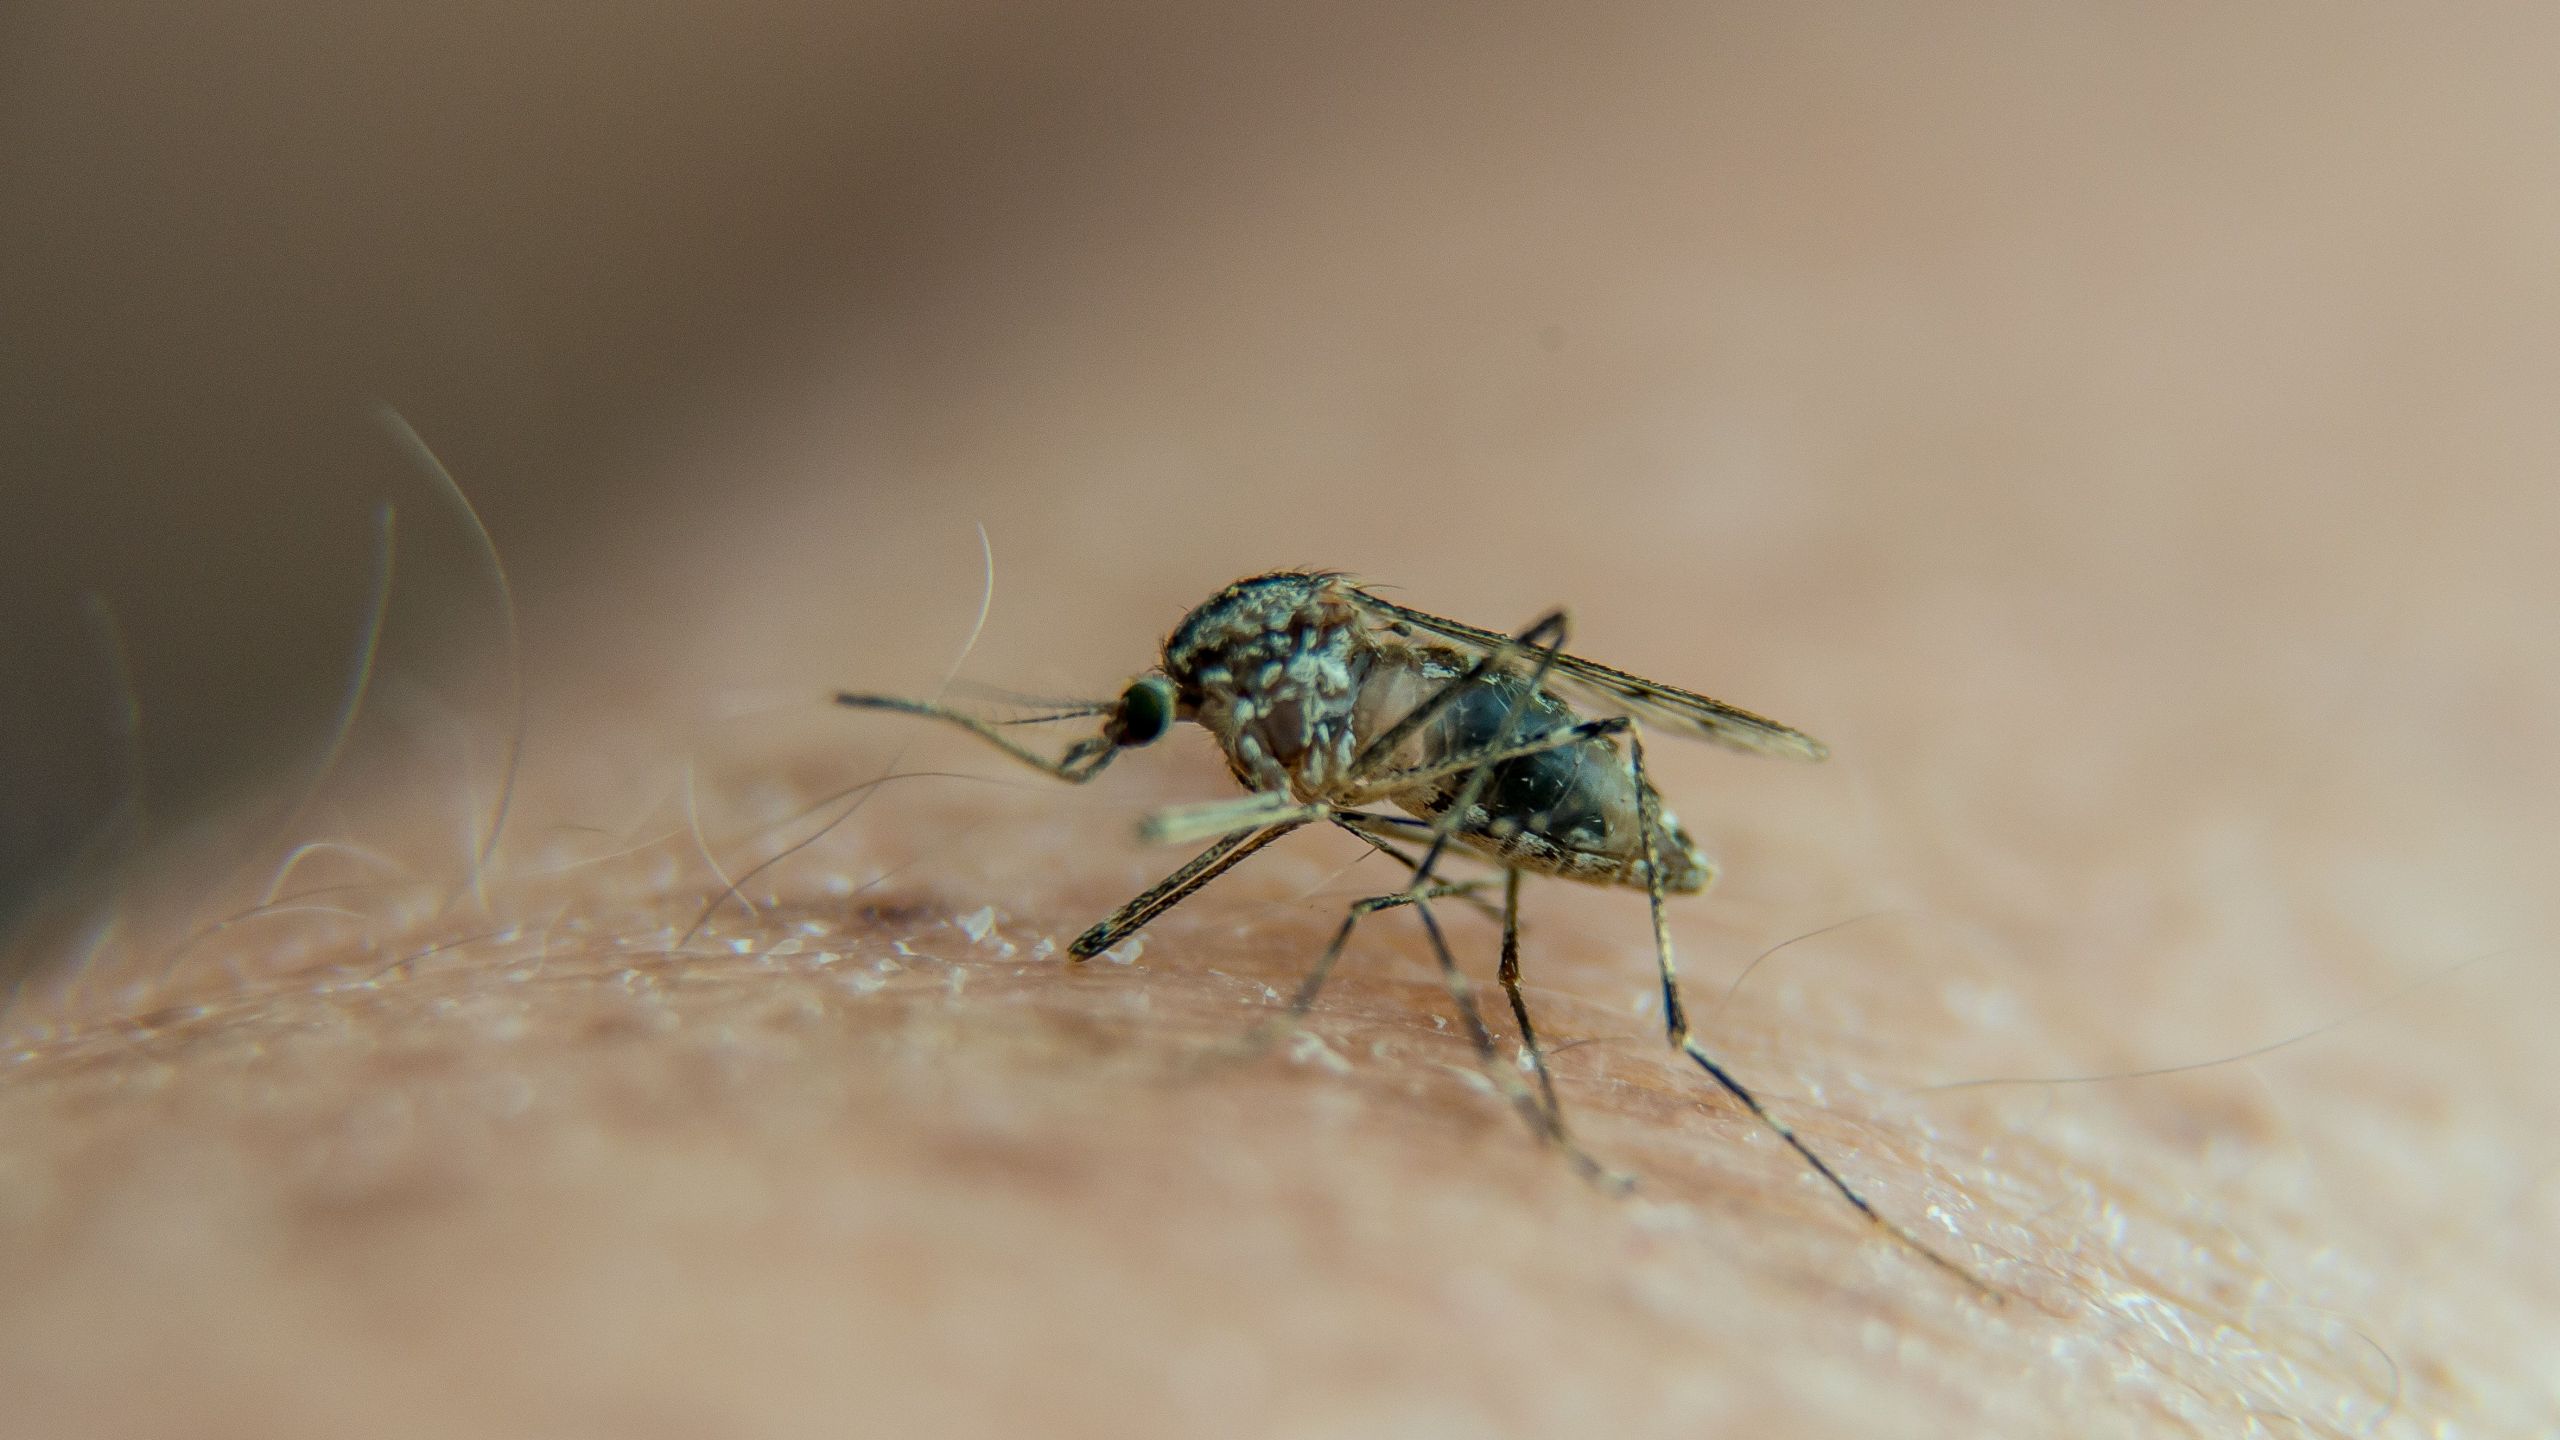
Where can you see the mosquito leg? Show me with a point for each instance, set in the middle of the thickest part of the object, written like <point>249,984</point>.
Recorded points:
<point>1510,974</point>
<point>1546,1124</point>
<point>1175,888</point>
<point>1676,1021</point>
<point>1364,826</point>
<point>1261,1037</point>
<point>1209,819</point>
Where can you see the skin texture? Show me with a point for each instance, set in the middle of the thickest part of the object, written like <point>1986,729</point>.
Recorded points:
<point>2164,560</point>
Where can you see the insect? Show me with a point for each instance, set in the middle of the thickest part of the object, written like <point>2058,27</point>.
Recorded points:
<point>1335,706</point>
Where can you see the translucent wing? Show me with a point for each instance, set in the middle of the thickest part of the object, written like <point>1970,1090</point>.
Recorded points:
<point>1614,691</point>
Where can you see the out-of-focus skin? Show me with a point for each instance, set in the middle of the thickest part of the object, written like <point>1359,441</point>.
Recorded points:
<point>2165,563</point>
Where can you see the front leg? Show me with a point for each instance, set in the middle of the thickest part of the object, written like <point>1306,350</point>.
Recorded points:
<point>1175,888</point>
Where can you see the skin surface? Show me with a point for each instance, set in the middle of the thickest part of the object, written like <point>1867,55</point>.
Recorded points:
<point>2165,561</point>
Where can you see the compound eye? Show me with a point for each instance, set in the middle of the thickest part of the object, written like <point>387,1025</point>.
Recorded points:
<point>1146,712</point>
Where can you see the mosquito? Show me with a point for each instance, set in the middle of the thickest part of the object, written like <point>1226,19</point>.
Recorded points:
<point>1335,706</point>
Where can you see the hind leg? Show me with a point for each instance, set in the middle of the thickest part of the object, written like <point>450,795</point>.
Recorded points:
<point>1510,976</point>
<point>1546,1121</point>
<point>1675,1018</point>
<point>1262,1036</point>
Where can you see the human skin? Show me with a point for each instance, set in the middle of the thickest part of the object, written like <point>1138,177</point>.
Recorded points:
<point>844,1163</point>
<point>2167,761</point>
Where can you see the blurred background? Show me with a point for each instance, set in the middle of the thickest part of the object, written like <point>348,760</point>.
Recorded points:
<point>1827,310</point>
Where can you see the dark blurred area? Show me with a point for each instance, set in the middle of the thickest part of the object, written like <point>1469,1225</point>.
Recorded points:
<point>538,230</point>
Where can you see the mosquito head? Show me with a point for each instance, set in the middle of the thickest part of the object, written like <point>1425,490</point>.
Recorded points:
<point>1146,710</point>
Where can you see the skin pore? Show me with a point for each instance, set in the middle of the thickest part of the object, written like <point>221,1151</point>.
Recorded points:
<point>2171,587</point>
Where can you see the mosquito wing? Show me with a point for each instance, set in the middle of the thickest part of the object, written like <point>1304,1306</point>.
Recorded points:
<point>1613,691</point>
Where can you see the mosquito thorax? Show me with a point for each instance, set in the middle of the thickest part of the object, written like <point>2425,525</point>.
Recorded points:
<point>1271,667</point>
<point>1253,621</point>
